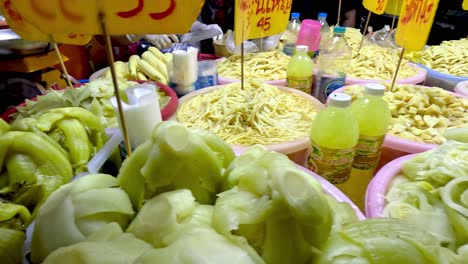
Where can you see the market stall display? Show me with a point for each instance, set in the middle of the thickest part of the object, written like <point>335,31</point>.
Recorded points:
<point>267,66</point>
<point>277,117</point>
<point>427,189</point>
<point>238,217</point>
<point>420,115</point>
<point>446,64</point>
<point>94,96</point>
<point>377,63</point>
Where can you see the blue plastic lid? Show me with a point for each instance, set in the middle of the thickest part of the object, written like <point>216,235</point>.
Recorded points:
<point>322,15</point>
<point>295,15</point>
<point>339,30</point>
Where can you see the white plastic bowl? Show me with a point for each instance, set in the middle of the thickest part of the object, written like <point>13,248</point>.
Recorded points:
<point>295,150</point>
<point>378,187</point>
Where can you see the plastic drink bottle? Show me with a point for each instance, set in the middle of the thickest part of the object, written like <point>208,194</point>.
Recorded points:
<point>300,70</point>
<point>290,35</point>
<point>333,137</point>
<point>373,116</point>
<point>324,30</point>
<point>333,60</point>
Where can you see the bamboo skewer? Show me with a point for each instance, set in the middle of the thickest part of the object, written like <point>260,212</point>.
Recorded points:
<point>110,58</point>
<point>397,69</point>
<point>62,64</point>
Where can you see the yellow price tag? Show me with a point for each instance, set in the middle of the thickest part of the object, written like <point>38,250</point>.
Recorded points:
<point>122,17</point>
<point>28,31</point>
<point>465,5</point>
<point>393,7</point>
<point>260,18</point>
<point>242,20</point>
<point>375,6</point>
<point>415,23</point>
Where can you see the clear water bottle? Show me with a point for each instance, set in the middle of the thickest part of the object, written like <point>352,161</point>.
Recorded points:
<point>290,35</point>
<point>333,62</point>
<point>324,31</point>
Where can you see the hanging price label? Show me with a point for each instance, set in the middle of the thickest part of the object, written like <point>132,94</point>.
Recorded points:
<point>375,6</point>
<point>260,18</point>
<point>393,7</point>
<point>242,20</point>
<point>415,23</point>
<point>122,17</point>
<point>30,32</point>
<point>465,5</point>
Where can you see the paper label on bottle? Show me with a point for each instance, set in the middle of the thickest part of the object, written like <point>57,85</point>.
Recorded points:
<point>368,152</point>
<point>326,85</point>
<point>288,49</point>
<point>301,83</point>
<point>332,164</point>
<point>207,81</point>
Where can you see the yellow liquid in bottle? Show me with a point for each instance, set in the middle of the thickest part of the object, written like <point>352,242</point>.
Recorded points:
<point>300,72</point>
<point>333,136</point>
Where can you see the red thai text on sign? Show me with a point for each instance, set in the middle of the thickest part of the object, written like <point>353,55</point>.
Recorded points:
<point>418,11</point>
<point>265,9</point>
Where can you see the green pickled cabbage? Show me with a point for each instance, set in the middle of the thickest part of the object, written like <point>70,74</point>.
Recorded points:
<point>183,233</point>
<point>176,157</point>
<point>440,165</point>
<point>281,210</point>
<point>381,241</point>
<point>108,245</point>
<point>76,210</point>
<point>11,245</point>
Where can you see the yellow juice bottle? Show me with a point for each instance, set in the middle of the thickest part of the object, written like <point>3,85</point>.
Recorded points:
<point>300,70</point>
<point>373,116</point>
<point>334,135</point>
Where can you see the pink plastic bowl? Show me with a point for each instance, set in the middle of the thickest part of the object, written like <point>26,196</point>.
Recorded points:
<point>462,88</point>
<point>378,187</point>
<point>420,77</point>
<point>402,144</point>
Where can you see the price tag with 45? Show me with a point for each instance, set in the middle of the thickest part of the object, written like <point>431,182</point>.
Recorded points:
<point>260,18</point>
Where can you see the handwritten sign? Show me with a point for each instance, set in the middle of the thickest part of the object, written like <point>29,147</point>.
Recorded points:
<point>393,7</point>
<point>242,20</point>
<point>30,32</point>
<point>375,6</point>
<point>260,18</point>
<point>122,17</point>
<point>415,23</point>
<point>465,5</point>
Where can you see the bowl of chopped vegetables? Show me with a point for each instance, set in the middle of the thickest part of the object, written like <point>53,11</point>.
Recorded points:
<point>428,189</point>
<point>94,96</point>
<point>421,115</point>
<point>273,116</point>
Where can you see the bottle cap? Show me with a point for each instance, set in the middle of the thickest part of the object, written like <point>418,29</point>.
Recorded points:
<point>339,30</point>
<point>322,15</point>
<point>374,89</point>
<point>302,48</point>
<point>295,15</point>
<point>339,100</point>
